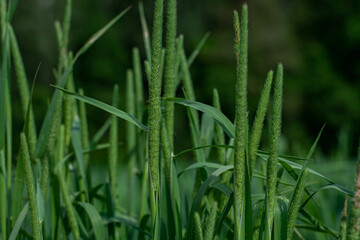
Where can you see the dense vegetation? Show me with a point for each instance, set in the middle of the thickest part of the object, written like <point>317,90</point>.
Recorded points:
<point>229,190</point>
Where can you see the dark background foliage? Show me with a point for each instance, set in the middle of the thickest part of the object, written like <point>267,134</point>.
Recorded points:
<point>317,41</point>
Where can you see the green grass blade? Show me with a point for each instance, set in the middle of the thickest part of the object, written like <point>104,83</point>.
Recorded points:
<point>113,150</point>
<point>19,221</point>
<point>99,34</point>
<point>18,189</point>
<point>77,146</point>
<point>146,34</point>
<point>175,200</point>
<point>139,88</point>
<point>95,219</point>
<point>84,128</point>
<point>199,195</point>
<point>12,6</point>
<point>106,107</point>
<point>218,116</point>
<point>207,132</point>
<point>197,49</point>
<point>200,165</point>
<point>100,133</point>
<point>219,133</point>
<point>174,226</point>
<point>3,17</point>
<point>318,224</point>
<point>3,189</point>
<point>59,171</point>
<point>131,143</point>
<point>280,219</point>
<point>202,147</point>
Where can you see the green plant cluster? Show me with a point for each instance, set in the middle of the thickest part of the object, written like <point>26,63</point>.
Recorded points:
<point>51,192</point>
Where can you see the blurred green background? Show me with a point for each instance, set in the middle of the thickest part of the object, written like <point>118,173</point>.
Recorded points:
<point>317,41</point>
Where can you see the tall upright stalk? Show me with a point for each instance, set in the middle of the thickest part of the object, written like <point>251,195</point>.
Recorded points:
<point>274,142</point>
<point>170,73</point>
<point>155,114</point>
<point>113,150</point>
<point>241,51</point>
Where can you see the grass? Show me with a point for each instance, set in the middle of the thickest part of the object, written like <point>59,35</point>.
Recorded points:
<point>230,189</point>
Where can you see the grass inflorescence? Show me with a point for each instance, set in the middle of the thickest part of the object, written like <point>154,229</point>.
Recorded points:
<point>226,189</point>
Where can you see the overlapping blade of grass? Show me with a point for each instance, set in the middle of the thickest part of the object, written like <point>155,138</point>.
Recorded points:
<point>174,226</point>
<point>316,224</point>
<point>280,218</point>
<point>64,37</point>
<point>108,108</point>
<point>219,134</point>
<point>131,150</point>
<point>19,221</point>
<point>59,171</point>
<point>197,49</point>
<point>70,108</point>
<point>274,142</point>
<point>146,34</point>
<point>4,107</point>
<point>199,195</point>
<point>77,146</point>
<point>95,219</point>
<point>113,150</point>
<point>139,88</point>
<point>192,114</point>
<point>218,116</point>
<point>11,10</point>
<point>84,129</point>
<point>3,194</point>
<point>45,129</point>
<point>3,17</point>
<point>206,133</point>
<point>197,148</point>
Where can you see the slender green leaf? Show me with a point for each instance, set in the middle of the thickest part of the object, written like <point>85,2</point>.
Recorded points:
<point>19,221</point>
<point>95,219</point>
<point>108,108</point>
<point>219,117</point>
